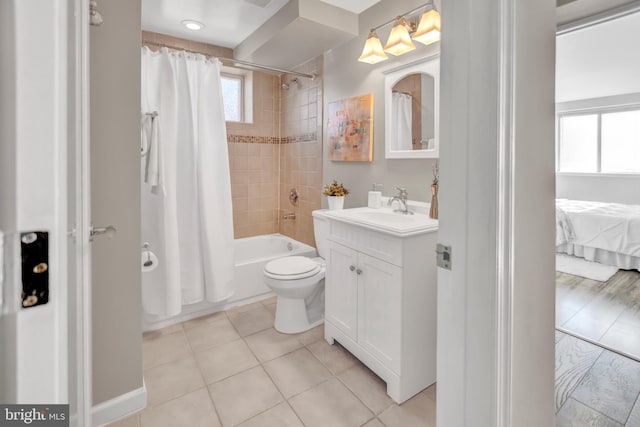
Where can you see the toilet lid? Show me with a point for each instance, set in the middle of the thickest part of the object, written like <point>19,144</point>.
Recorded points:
<point>292,266</point>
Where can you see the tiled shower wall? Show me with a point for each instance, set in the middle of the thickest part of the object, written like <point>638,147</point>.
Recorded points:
<point>254,161</point>
<point>301,152</point>
<point>280,150</point>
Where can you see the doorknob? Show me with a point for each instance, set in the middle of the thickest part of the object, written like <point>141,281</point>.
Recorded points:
<point>352,267</point>
<point>359,271</point>
<point>108,231</point>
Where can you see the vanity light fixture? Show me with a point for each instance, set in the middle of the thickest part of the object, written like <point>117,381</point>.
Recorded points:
<point>426,30</point>
<point>372,52</point>
<point>399,41</point>
<point>193,25</point>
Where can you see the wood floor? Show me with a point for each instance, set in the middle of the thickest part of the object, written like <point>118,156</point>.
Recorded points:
<point>594,386</point>
<point>606,313</point>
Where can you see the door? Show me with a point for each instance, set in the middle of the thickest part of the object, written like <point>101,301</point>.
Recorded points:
<point>341,290</point>
<point>42,189</point>
<point>379,305</point>
<point>496,305</point>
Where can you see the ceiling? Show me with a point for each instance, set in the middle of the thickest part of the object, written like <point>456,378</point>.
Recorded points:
<point>227,22</point>
<point>230,22</point>
<point>573,10</point>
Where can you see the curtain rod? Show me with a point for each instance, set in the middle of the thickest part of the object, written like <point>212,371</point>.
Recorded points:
<point>231,61</point>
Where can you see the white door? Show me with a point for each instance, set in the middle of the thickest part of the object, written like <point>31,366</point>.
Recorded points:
<point>44,347</point>
<point>496,304</point>
<point>341,290</point>
<point>379,309</point>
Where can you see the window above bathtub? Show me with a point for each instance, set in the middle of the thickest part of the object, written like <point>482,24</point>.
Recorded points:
<point>599,140</point>
<point>237,94</point>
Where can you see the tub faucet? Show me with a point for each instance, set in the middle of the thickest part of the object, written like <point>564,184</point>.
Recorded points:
<point>402,198</point>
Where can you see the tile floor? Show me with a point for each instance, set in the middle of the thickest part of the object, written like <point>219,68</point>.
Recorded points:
<point>607,313</point>
<point>595,387</point>
<point>234,369</point>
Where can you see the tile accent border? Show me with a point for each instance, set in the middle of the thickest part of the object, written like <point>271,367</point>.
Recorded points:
<point>305,137</point>
<point>253,139</point>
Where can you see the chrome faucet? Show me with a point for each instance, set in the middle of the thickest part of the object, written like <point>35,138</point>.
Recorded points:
<point>402,198</point>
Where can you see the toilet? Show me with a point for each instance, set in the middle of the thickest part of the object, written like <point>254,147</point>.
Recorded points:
<point>298,283</point>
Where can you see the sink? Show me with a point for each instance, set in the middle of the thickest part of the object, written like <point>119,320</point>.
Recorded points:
<point>385,219</point>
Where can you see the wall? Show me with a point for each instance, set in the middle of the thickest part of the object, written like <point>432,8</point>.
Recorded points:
<point>599,188</point>
<point>599,60</point>
<point>115,194</point>
<point>345,77</point>
<point>254,160</point>
<point>597,67</point>
<point>301,151</point>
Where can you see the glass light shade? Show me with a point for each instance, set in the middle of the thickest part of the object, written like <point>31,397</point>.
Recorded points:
<point>372,52</point>
<point>399,41</point>
<point>429,28</point>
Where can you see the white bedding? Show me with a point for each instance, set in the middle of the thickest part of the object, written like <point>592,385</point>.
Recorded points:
<point>611,227</point>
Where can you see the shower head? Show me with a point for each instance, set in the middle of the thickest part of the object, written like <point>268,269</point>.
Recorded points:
<point>286,86</point>
<point>95,17</point>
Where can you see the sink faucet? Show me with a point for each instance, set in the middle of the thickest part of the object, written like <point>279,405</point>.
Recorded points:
<point>402,198</point>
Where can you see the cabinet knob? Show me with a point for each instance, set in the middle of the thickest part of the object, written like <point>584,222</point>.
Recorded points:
<point>358,271</point>
<point>352,267</point>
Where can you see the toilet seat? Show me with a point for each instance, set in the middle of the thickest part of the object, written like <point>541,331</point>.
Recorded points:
<point>292,268</point>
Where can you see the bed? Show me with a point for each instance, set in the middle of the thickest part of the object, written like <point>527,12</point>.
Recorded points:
<point>608,233</point>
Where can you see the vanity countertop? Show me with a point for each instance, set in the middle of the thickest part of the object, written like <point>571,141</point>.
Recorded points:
<point>385,220</point>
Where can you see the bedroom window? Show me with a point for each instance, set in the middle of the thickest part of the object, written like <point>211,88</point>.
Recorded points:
<point>606,141</point>
<point>237,88</point>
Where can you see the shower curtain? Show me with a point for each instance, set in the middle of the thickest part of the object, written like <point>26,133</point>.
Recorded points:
<point>186,214</point>
<point>401,117</point>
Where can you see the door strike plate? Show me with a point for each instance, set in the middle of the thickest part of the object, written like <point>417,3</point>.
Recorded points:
<point>443,258</point>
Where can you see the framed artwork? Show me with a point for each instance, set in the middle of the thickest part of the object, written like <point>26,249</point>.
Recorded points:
<point>350,129</point>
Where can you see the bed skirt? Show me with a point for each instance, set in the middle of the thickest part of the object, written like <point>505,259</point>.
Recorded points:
<point>623,261</point>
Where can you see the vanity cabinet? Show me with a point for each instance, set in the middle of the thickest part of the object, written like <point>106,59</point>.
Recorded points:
<point>380,303</point>
<point>364,306</point>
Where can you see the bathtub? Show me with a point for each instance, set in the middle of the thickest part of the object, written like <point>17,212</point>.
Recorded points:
<point>251,255</point>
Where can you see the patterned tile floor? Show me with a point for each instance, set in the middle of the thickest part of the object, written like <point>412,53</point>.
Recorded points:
<point>234,369</point>
<point>595,387</point>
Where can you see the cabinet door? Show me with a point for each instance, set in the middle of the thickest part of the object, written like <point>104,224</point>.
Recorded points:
<point>379,303</point>
<point>341,289</point>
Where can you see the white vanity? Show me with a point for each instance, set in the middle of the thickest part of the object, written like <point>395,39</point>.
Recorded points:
<point>380,293</point>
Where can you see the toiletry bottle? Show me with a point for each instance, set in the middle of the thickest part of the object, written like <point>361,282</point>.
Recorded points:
<point>375,197</point>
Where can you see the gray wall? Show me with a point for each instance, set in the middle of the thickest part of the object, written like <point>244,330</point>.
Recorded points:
<point>7,187</point>
<point>115,194</point>
<point>345,77</point>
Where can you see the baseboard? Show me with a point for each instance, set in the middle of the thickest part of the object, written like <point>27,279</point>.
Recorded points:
<point>119,407</point>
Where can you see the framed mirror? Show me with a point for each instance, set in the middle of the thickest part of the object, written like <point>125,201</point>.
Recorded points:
<point>411,110</point>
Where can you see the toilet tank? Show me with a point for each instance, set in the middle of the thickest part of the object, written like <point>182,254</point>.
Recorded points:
<point>321,232</point>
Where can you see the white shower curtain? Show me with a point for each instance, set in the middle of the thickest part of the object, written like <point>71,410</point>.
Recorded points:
<point>401,116</point>
<point>187,217</point>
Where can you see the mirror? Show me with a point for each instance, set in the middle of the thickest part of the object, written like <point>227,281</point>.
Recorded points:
<point>412,99</point>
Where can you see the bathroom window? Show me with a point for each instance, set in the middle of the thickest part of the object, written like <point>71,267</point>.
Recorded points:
<point>605,141</point>
<point>237,94</point>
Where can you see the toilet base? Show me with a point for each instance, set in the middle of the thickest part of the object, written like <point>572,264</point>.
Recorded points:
<point>291,316</point>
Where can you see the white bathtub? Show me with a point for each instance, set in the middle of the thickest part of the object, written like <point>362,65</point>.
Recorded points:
<point>251,255</point>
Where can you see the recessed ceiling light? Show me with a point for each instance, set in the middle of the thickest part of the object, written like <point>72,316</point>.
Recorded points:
<point>193,25</point>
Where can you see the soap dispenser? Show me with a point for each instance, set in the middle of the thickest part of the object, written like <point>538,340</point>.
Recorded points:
<point>375,197</point>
